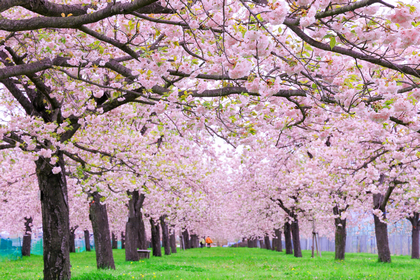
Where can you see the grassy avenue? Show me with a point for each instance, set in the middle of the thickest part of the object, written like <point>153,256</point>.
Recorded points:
<point>225,263</point>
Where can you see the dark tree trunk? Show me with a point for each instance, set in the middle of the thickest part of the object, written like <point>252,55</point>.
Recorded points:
<point>415,243</point>
<point>296,239</point>
<point>267,242</point>
<point>101,234</point>
<point>381,232</point>
<point>26,244</point>
<point>194,241</point>
<point>249,243</point>
<point>135,234</point>
<point>186,236</point>
<point>165,235</point>
<point>157,252</point>
<point>252,242</point>
<point>55,219</point>
<point>340,235</point>
<point>122,240</point>
<point>181,242</point>
<point>279,245</point>
<point>87,240</point>
<point>288,239</point>
<point>114,241</point>
<point>172,241</point>
<point>71,239</point>
<point>415,230</point>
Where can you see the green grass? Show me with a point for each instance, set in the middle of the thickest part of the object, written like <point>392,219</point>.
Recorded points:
<point>225,263</point>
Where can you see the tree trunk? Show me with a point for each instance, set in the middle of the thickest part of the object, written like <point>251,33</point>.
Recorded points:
<point>340,236</point>
<point>55,219</point>
<point>279,246</point>
<point>250,243</point>
<point>415,230</point>
<point>72,247</point>
<point>99,218</point>
<point>157,252</point>
<point>165,235</point>
<point>381,232</point>
<point>296,239</point>
<point>87,240</point>
<point>135,234</point>
<point>173,242</point>
<point>194,241</point>
<point>288,239</point>
<point>181,242</point>
<point>114,241</point>
<point>26,244</point>
<point>267,242</point>
<point>122,240</point>
<point>186,236</point>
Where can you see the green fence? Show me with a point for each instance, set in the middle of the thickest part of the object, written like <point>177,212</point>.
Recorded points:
<point>10,249</point>
<point>37,247</point>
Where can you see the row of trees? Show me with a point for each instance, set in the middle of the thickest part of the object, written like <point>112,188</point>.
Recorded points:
<point>104,100</point>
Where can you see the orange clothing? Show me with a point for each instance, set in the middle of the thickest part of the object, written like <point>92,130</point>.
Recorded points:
<point>208,240</point>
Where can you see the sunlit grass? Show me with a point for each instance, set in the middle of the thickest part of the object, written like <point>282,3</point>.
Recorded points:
<point>225,263</point>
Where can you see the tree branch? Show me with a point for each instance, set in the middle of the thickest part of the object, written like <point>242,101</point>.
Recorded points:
<point>341,10</point>
<point>357,55</point>
<point>73,21</point>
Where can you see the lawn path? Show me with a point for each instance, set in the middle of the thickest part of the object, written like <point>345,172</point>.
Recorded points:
<point>224,263</point>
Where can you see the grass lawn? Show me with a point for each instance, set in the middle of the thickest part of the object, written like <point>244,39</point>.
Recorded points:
<point>225,263</point>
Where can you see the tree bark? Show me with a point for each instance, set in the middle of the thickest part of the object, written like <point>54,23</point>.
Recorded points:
<point>296,239</point>
<point>381,232</point>
<point>122,240</point>
<point>288,239</point>
<point>181,242</point>
<point>165,235</point>
<point>87,240</point>
<point>186,236</point>
<point>26,243</point>
<point>55,219</point>
<point>262,244</point>
<point>157,252</point>
<point>194,241</point>
<point>250,243</point>
<point>173,242</point>
<point>267,242</point>
<point>99,218</point>
<point>135,234</point>
<point>415,230</point>
<point>279,245</point>
<point>72,237</point>
<point>114,241</point>
<point>340,235</point>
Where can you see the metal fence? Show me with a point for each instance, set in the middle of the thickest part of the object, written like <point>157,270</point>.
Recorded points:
<point>10,249</point>
<point>361,239</point>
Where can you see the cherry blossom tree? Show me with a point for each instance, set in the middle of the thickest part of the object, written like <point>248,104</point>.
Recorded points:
<point>229,68</point>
